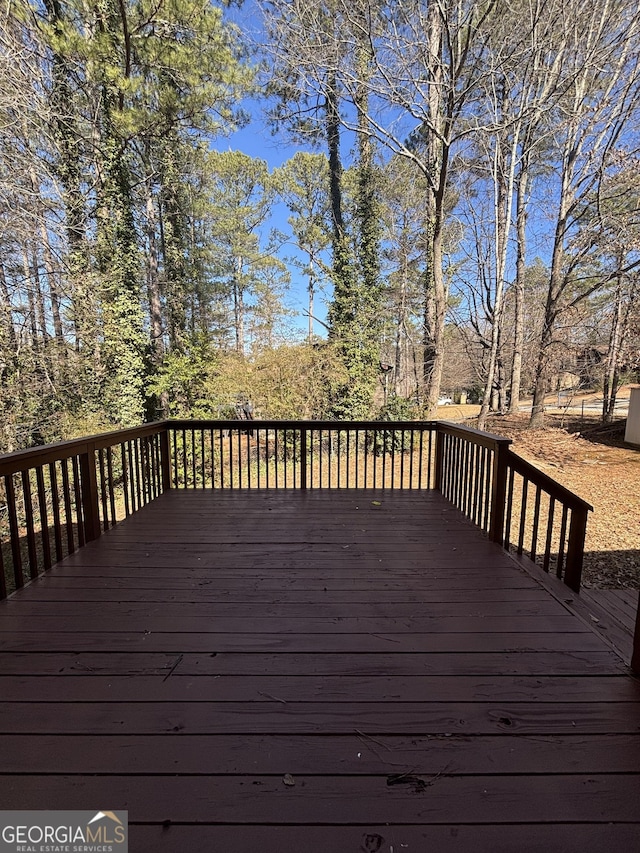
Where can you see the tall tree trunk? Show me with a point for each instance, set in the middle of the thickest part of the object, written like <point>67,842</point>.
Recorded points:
<point>619,325</point>
<point>238,308</point>
<point>503,177</point>
<point>521,255</point>
<point>401,364</point>
<point>31,303</point>
<point>54,296</point>
<point>311,288</point>
<point>436,289</point>
<point>154,298</point>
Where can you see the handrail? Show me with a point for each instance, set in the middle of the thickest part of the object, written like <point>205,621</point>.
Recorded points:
<point>60,496</point>
<point>22,460</point>
<point>544,536</point>
<point>535,474</point>
<point>84,486</point>
<point>471,473</point>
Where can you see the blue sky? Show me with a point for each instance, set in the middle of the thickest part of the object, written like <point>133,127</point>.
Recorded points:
<point>257,140</point>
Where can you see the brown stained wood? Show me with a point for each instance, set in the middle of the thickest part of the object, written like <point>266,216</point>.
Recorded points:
<point>298,687</point>
<point>619,608</point>
<point>275,581</point>
<point>351,612</point>
<point>348,644</point>
<point>453,838</point>
<point>522,663</point>
<point>180,665</point>
<point>319,754</point>
<point>295,569</point>
<point>70,591</point>
<point>273,717</point>
<point>341,799</point>
<point>283,625</point>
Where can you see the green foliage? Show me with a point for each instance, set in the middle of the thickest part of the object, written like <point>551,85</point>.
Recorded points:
<point>185,377</point>
<point>396,409</point>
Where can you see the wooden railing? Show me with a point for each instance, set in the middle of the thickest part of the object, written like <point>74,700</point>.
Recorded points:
<point>533,525</point>
<point>302,454</point>
<point>56,498</point>
<point>519,506</point>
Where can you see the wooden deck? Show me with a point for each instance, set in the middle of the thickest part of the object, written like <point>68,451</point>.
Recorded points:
<point>321,671</point>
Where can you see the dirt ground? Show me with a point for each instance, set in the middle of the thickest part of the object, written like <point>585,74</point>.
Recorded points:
<point>595,463</point>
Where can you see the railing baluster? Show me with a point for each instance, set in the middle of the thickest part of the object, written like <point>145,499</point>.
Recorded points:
<point>202,474</point>
<point>55,506</point>
<point>367,446</point>
<point>258,459</point>
<point>277,453</point>
<point>536,521</point>
<point>562,540</point>
<point>103,490</point>
<point>28,514</point>
<point>488,489</point>
<point>44,521</point>
<point>175,458</point>
<point>185,467</point>
<point>131,476</point>
<point>507,522</point>
<point>125,477</point>
<point>77,493</point>
<point>523,515</point>
<point>68,517</point>
<point>221,439</point>
<point>303,458</point>
<point>14,531</point>
<point>157,464</point>
<point>137,470</point>
<point>112,491</point>
<point>547,547</point>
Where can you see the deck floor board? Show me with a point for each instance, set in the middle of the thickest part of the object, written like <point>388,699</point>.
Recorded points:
<point>422,690</point>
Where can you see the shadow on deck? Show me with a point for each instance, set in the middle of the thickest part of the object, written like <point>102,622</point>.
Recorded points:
<point>284,671</point>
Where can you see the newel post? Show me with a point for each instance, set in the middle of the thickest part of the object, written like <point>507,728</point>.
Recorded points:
<point>165,458</point>
<point>575,548</point>
<point>635,660</point>
<point>499,491</point>
<point>89,488</point>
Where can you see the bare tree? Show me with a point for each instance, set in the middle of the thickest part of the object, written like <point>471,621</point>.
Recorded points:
<point>604,60</point>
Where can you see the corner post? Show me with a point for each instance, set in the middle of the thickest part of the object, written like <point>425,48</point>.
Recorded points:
<point>575,548</point>
<point>635,660</point>
<point>89,489</point>
<point>498,491</point>
<point>165,458</point>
